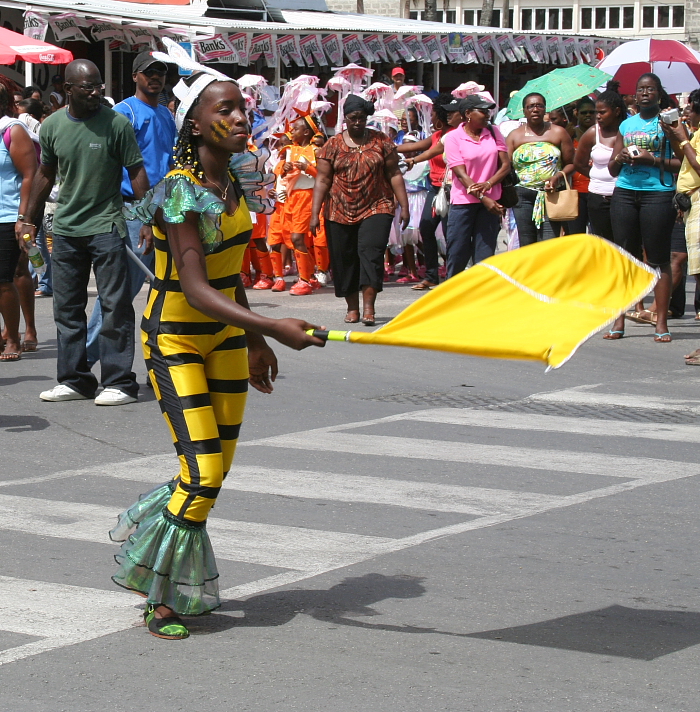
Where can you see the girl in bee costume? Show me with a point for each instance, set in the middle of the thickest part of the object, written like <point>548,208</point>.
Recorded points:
<point>202,346</point>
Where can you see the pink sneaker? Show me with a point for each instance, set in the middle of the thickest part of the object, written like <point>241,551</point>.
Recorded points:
<point>245,279</point>
<point>264,282</point>
<point>315,284</point>
<point>301,289</point>
<point>280,285</point>
<point>408,279</point>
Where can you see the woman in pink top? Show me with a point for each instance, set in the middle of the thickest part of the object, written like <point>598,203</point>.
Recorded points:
<point>477,155</point>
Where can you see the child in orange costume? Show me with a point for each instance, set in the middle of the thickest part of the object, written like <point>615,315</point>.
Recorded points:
<point>259,253</point>
<point>320,242</point>
<point>276,236</point>
<point>299,170</point>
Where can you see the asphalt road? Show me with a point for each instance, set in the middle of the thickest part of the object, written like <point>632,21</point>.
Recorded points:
<point>403,531</point>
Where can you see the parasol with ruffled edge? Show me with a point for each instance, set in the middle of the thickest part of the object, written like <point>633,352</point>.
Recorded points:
<point>424,106</point>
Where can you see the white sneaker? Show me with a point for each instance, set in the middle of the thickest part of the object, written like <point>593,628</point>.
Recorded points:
<point>322,278</point>
<point>61,393</point>
<point>113,396</point>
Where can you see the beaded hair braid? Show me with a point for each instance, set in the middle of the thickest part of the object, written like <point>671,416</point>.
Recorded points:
<point>185,152</point>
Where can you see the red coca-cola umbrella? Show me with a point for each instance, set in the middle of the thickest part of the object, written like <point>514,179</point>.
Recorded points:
<point>14,46</point>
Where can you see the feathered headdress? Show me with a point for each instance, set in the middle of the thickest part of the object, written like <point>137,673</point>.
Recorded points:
<point>188,95</point>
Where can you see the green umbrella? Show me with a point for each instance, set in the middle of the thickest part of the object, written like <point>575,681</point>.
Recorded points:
<point>560,87</point>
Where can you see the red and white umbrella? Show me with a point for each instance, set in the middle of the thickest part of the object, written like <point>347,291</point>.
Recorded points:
<point>676,65</point>
<point>14,46</point>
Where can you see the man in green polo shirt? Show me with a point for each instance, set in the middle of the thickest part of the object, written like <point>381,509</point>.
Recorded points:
<point>88,144</point>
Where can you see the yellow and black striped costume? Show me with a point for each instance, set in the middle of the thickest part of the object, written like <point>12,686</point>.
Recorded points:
<point>198,366</point>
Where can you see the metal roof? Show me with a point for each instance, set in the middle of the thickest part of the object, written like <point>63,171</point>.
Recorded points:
<point>193,17</point>
<point>349,22</point>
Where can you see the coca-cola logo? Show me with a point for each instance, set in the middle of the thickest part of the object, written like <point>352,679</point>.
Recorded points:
<point>47,58</point>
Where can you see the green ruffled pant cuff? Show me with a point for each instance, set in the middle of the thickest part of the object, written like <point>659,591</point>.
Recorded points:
<point>168,560</point>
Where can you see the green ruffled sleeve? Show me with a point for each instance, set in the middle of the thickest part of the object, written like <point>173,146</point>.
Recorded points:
<point>177,195</point>
<point>182,196</point>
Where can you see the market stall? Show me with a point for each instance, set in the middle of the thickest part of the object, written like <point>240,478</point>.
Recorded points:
<point>436,55</point>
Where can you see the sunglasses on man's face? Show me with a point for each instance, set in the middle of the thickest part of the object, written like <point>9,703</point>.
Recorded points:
<point>150,73</point>
<point>87,87</point>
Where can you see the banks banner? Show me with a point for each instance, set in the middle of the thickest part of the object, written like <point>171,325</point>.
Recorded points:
<point>312,50</point>
<point>333,47</point>
<point>65,27</point>
<point>35,25</point>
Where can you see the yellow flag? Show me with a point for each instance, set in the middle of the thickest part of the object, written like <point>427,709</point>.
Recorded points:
<point>537,303</point>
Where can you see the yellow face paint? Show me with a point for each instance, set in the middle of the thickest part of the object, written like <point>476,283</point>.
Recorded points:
<point>220,129</point>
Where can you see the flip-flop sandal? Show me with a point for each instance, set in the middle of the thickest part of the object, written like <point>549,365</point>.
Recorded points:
<point>10,356</point>
<point>659,338</point>
<point>613,335</point>
<point>29,346</point>
<point>351,320</point>
<point>637,317</point>
<point>368,318</point>
<point>423,285</point>
<point>170,628</point>
<point>693,354</point>
<point>694,361</point>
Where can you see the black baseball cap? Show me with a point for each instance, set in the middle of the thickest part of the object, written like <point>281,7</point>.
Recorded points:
<point>452,106</point>
<point>144,60</point>
<point>474,101</point>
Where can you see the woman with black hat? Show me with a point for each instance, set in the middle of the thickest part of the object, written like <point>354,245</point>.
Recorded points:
<point>477,155</point>
<point>358,171</point>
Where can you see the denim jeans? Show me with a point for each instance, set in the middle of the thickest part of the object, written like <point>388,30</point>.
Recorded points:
<point>472,232</point>
<point>580,224</point>
<point>72,259</point>
<point>136,279</point>
<point>528,232</point>
<point>428,227</point>
<point>644,218</point>
<point>599,213</point>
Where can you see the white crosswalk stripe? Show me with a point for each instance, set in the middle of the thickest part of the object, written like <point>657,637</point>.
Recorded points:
<point>249,542</point>
<point>52,612</point>
<point>476,453</point>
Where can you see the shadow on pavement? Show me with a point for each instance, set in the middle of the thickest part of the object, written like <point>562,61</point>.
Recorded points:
<point>352,597</point>
<point>22,423</point>
<point>4,382</point>
<point>639,634</point>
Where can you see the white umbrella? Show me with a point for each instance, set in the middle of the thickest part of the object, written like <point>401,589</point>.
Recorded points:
<point>677,66</point>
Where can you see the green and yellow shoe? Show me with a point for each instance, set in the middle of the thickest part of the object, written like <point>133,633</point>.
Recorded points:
<point>170,628</point>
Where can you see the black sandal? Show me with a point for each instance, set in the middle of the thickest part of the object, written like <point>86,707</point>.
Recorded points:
<point>170,628</point>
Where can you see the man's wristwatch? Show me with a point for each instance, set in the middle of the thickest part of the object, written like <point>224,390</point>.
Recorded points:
<point>24,217</point>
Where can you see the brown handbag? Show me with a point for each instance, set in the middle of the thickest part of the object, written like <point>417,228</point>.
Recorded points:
<point>562,205</point>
